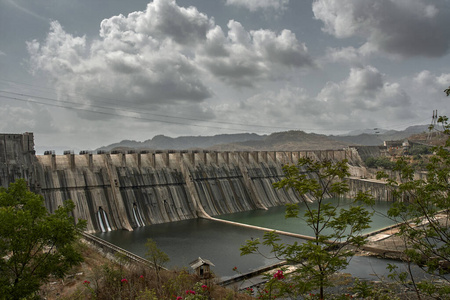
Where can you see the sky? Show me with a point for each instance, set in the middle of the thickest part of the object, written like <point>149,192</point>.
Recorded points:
<point>87,73</point>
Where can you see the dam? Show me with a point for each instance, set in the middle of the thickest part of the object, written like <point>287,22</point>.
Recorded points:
<point>121,190</point>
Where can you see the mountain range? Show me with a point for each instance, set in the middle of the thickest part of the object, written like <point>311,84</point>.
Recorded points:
<point>287,140</point>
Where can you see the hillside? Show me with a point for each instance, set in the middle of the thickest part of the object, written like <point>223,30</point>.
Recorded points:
<point>161,142</point>
<point>376,138</point>
<point>288,140</point>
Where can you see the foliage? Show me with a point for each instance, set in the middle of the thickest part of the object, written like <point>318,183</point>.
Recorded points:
<point>419,150</point>
<point>136,282</point>
<point>334,227</point>
<point>379,162</point>
<point>424,214</point>
<point>363,288</point>
<point>199,292</point>
<point>34,244</point>
<point>447,91</point>
<point>155,255</point>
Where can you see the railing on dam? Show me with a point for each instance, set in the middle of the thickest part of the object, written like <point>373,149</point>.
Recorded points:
<point>113,249</point>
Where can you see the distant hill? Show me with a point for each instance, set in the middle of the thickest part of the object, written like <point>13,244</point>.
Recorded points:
<point>377,137</point>
<point>288,140</point>
<point>161,142</point>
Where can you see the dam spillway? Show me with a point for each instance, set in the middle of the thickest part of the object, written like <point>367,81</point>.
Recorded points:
<point>130,190</point>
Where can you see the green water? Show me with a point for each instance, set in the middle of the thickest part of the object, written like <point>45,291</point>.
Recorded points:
<point>274,217</point>
<point>184,241</point>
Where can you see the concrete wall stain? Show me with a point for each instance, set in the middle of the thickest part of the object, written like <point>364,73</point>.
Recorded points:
<point>125,191</point>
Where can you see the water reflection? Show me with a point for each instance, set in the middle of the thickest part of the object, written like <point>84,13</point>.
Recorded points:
<point>274,217</point>
<point>184,241</point>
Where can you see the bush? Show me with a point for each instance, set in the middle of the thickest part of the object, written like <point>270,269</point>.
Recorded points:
<point>379,162</point>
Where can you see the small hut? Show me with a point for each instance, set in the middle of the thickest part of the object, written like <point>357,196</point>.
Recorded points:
<point>202,268</point>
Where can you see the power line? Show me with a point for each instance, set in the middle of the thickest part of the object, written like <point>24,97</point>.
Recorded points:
<point>135,110</point>
<point>127,116</point>
<point>141,111</point>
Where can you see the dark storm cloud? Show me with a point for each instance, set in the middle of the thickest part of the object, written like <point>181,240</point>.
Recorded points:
<point>404,27</point>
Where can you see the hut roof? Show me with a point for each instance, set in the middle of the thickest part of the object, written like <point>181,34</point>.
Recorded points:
<point>199,262</point>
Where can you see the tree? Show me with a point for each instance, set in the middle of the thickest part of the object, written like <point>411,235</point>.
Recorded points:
<point>447,91</point>
<point>334,227</point>
<point>423,211</point>
<point>34,244</point>
<point>156,256</point>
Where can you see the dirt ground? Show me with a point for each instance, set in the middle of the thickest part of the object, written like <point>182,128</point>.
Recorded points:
<point>67,287</point>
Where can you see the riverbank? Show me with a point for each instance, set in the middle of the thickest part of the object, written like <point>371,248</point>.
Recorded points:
<point>383,243</point>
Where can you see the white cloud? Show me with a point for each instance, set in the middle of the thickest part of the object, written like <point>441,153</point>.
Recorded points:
<point>165,55</point>
<point>30,117</point>
<point>242,58</point>
<point>162,20</point>
<point>428,90</point>
<point>280,109</point>
<point>2,53</point>
<point>254,5</point>
<point>403,27</point>
<point>345,55</point>
<point>432,82</point>
<point>363,98</point>
<point>143,58</point>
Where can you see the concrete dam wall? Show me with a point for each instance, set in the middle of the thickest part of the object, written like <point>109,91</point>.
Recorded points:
<point>129,190</point>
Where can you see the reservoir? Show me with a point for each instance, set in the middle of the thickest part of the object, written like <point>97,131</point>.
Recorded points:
<point>274,217</point>
<point>184,241</point>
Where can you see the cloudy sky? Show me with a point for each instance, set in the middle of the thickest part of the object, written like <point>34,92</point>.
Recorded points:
<point>83,74</point>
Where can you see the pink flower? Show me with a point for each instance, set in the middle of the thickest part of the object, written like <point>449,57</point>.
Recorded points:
<point>278,275</point>
<point>124,280</point>
<point>142,276</point>
<point>86,282</point>
<point>190,292</point>
<point>179,298</point>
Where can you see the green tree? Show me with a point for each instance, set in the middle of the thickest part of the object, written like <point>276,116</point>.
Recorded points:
<point>447,91</point>
<point>34,244</point>
<point>156,256</point>
<point>382,162</point>
<point>423,211</point>
<point>334,227</point>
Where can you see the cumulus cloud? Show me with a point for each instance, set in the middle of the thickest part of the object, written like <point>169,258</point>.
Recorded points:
<point>428,90</point>
<point>289,107</point>
<point>136,58</point>
<point>363,97</point>
<point>404,27</point>
<point>26,118</point>
<point>242,57</point>
<point>362,100</point>
<point>345,55</point>
<point>254,5</point>
<point>164,55</point>
<point>432,82</point>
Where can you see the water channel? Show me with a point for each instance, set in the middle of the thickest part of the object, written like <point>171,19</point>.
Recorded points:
<point>184,241</point>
